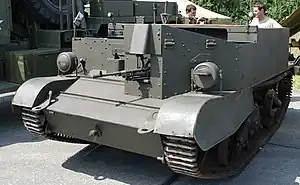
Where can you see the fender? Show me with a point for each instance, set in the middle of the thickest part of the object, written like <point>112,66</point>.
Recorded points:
<point>34,91</point>
<point>207,118</point>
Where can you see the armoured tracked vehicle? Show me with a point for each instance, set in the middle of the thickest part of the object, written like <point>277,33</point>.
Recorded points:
<point>202,99</point>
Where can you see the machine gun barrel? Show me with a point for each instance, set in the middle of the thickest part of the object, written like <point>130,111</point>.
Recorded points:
<point>135,74</point>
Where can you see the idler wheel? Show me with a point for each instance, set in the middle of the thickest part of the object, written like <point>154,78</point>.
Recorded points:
<point>225,151</point>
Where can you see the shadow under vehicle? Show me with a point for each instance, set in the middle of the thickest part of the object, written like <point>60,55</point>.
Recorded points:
<point>202,99</point>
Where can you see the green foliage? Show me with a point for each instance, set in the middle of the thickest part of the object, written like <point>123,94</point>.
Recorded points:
<point>238,9</point>
<point>296,82</point>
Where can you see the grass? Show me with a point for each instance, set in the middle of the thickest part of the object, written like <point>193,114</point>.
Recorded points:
<point>296,82</point>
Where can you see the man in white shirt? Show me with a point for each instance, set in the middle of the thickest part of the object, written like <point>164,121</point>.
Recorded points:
<point>261,20</point>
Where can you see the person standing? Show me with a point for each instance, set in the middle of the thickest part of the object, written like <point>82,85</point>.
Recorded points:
<point>261,20</point>
<point>191,13</point>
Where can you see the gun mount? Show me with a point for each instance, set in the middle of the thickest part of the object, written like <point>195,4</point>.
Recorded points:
<point>214,94</point>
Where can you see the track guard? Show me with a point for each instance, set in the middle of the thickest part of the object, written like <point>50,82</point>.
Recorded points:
<point>34,91</point>
<point>208,118</point>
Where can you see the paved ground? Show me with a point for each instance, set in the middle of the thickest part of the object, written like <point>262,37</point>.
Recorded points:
<point>25,159</point>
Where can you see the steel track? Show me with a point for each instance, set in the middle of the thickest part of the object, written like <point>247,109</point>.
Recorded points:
<point>36,124</point>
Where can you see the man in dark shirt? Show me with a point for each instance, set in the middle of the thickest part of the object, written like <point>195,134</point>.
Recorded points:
<point>191,13</point>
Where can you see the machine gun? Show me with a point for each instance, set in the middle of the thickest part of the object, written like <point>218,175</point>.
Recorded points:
<point>141,75</point>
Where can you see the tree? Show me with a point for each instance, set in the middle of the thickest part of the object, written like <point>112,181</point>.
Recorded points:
<point>238,9</point>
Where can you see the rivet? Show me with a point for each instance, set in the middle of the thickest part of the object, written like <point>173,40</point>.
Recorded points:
<point>165,84</point>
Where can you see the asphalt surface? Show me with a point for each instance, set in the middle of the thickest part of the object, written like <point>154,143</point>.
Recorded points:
<point>27,159</point>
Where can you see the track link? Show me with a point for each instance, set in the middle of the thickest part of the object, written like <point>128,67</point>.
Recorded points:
<point>183,155</point>
<point>36,124</point>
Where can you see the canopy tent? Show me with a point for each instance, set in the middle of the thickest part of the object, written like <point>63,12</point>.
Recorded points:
<point>201,12</point>
<point>293,22</point>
